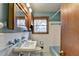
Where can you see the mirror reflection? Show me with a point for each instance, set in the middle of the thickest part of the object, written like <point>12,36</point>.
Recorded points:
<point>14,21</point>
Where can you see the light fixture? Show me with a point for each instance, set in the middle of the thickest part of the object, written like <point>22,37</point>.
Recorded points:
<point>28,5</point>
<point>30,10</point>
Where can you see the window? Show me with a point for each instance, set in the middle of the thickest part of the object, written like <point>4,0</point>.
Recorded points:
<point>40,25</point>
<point>20,23</point>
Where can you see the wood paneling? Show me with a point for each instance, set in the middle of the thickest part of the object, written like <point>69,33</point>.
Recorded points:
<point>28,20</point>
<point>70,29</point>
<point>11,16</point>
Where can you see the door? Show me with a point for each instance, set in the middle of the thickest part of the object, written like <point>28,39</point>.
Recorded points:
<point>70,29</point>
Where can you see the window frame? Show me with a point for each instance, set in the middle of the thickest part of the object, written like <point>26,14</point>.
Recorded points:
<point>41,17</point>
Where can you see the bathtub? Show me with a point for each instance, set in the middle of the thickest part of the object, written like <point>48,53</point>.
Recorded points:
<point>55,50</point>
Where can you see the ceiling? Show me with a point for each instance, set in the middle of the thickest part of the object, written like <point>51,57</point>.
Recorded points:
<point>45,7</point>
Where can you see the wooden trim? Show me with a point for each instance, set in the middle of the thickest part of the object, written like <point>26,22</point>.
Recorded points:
<point>23,7</point>
<point>20,17</point>
<point>41,17</point>
<point>14,14</point>
<point>11,16</point>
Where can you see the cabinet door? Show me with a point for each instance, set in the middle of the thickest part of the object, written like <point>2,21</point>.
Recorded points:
<point>11,16</point>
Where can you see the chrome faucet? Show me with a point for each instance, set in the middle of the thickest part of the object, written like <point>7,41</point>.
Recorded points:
<point>10,42</point>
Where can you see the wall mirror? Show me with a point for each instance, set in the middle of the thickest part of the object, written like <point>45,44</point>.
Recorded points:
<point>17,9</point>
<point>11,16</point>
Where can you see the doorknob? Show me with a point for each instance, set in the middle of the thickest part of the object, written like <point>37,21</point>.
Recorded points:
<point>61,53</point>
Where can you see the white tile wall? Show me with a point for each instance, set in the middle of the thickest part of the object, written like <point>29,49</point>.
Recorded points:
<point>51,39</point>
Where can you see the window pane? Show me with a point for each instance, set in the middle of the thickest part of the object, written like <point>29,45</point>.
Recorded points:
<point>40,22</point>
<point>20,22</point>
<point>40,29</point>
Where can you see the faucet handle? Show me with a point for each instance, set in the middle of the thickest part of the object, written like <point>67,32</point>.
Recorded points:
<point>9,43</point>
<point>22,37</point>
<point>16,40</point>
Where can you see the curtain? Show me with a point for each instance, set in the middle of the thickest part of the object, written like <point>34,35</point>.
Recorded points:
<point>27,14</point>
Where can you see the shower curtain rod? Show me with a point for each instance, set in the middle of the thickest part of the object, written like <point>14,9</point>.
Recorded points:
<point>56,13</point>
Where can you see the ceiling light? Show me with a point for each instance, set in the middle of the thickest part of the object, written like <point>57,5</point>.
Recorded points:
<point>28,5</point>
<point>30,9</point>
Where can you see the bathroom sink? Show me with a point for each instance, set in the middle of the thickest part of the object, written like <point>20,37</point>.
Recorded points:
<point>29,44</point>
<point>26,46</point>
